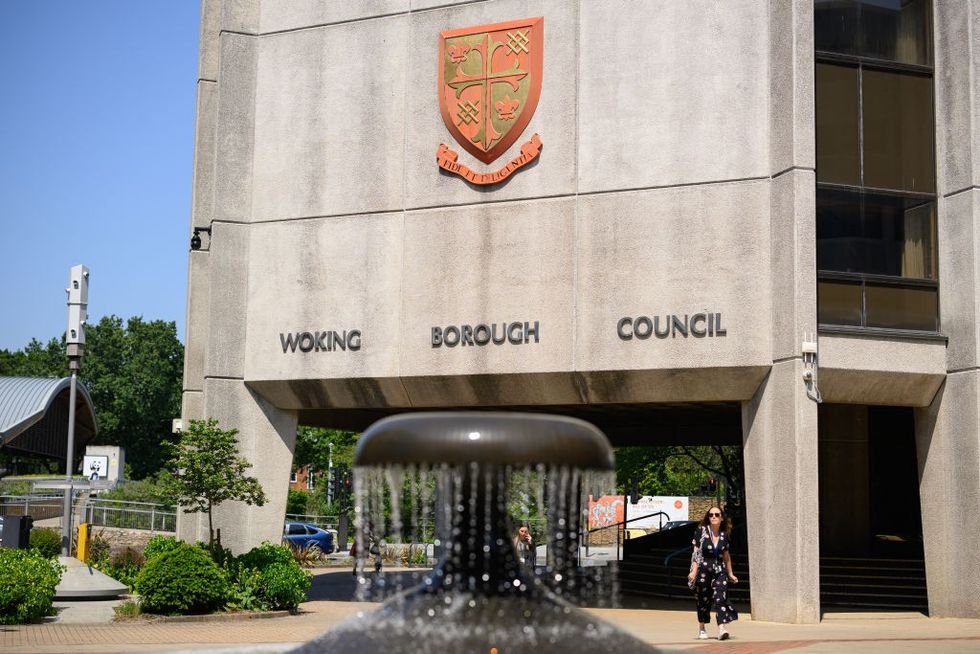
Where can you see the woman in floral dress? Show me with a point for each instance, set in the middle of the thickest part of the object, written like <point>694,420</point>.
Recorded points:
<point>711,570</point>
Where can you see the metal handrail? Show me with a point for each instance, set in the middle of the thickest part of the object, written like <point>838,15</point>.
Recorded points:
<point>622,523</point>
<point>667,561</point>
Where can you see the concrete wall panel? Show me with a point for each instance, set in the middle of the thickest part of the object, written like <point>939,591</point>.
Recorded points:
<point>276,15</point>
<point>426,185</point>
<point>228,298</point>
<point>198,319</point>
<point>234,129</point>
<point>959,276</point>
<point>957,53</point>
<point>210,40</point>
<point>496,263</point>
<point>674,251</point>
<point>330,120</point>
<point>791,85</point>
<point>672,92</point>
<point>302,278</point>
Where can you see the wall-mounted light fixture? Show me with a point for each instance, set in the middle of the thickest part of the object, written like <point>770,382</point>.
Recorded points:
<point>196,238</point>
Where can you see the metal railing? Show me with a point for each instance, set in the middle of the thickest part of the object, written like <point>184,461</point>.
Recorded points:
<point>130,515</point>
<point>621,525</point>
<point>39,506</point>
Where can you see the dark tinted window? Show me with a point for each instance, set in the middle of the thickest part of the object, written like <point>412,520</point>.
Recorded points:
<point>839,303</point>
<point>902,308</point>
<point>892,30</point>
<point>838,130</point>
<point>898,131</point>
<point>835,26</point>
<point>875,234</point>
<point>295,529</point>
<point>896,30</point>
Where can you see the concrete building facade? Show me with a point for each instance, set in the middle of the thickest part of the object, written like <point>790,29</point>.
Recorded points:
<point>678,180</point>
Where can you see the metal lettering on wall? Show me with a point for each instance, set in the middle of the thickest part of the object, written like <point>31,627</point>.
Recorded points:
<point>698,325</point>
<point>489,85</point>
<point>511,333</point>
<point>321,341</point>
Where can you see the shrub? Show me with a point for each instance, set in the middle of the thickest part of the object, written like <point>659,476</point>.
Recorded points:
<point>296,501</point>
<point>124,567</point>
<point>284,585</point>
<point>265,555</point>
<point>27,583</point>
<point>159,545</point>
<point>183,580</point>
<point>98,549</point>
<point>246,592</point>
<point>47,542</point>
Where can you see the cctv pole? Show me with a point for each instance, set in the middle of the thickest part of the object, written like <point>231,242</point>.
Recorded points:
<point>75,340</point>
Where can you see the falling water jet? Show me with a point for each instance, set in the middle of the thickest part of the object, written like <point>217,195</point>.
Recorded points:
<point>479,597</point>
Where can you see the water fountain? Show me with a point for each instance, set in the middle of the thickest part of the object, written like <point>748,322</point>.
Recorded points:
<point>478,597</point>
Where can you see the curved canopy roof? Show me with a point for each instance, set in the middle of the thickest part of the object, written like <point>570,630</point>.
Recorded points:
<point>34,415</point>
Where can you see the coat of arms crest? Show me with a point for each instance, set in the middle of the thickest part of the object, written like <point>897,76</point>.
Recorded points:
<point>489,85</point>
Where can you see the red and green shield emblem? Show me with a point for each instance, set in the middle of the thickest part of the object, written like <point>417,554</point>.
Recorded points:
<point>490,82</point>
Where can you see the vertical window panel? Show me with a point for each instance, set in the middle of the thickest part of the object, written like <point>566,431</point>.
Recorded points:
<point>838,153</point>
<point>835,26</point>
<point>896,307</point>
<point>838,303</point>
<point>898,131</point>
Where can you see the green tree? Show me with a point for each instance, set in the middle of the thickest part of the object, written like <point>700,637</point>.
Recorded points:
<point>677,469</point>
<point>133,374</point>
<point>207,470</point>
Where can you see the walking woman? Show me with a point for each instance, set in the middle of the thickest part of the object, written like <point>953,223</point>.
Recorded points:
<point>711,570</point>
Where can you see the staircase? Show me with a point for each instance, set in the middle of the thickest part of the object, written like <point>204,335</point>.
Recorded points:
<point>879,583</point>
<point>846,583</point>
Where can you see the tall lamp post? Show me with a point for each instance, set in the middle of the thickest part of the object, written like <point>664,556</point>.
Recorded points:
<point>75,339</point>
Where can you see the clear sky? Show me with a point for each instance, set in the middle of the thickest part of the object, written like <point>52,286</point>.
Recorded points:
<point>97,108</point>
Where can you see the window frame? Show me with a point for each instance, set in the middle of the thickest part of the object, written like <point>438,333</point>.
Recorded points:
<point>862,62</point>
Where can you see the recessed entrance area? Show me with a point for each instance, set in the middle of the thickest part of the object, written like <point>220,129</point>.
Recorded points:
<point>871,553</point>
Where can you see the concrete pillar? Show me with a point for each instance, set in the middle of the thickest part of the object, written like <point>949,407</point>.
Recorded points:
<point>779,429</point>
<point>779,424</point>
<point>948,431</point>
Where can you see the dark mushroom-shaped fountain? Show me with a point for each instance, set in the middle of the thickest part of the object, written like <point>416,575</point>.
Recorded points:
<point>478,473</point>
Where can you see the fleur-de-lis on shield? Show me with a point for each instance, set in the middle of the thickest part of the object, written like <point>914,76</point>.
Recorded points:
<point>458,52</point>
<point>506,108</point>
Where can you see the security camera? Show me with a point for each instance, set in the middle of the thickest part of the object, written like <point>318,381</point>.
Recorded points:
<point>196,238</point>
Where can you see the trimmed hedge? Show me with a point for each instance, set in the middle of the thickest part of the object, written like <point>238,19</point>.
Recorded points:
<point>159,545</point>
<point>27,583</point>
<point>183,580</point>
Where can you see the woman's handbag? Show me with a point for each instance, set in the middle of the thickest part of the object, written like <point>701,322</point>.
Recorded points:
<point>696,560</point>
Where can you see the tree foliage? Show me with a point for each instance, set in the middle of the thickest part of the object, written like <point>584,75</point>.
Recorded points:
<point>677,469</point>
<point>133,373</point>
<point>207,470</point>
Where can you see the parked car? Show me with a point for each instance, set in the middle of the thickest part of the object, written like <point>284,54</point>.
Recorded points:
<point>303,535</point>
<point>674,524</point>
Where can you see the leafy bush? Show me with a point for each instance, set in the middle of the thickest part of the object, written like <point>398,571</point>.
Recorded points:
<point>246,592</point>
<point>127,610</point>
<point>124,567</point>
<point>152,489</point>
<point>183,580</point>
<point>159,545</point>
<point>265,555</point>
<point>46,541</point>
<point>27,583</point>
<point>307,556</point>
<point>296,501</point>
<point>284,585</point>
<point>98,549</point>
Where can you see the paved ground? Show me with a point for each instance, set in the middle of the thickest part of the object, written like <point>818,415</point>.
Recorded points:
<point>670,626</point>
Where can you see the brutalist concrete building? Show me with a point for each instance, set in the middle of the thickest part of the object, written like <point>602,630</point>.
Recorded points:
<point>740,222</point>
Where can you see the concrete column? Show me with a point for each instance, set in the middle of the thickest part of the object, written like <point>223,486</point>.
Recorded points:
<point>779,429</point>
<point>948,431</point>
<point>948,442</point>
<point>266,438</point>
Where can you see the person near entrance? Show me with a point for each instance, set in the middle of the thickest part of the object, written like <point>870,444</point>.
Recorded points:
<point>524,546</point>
<point>711,570</point>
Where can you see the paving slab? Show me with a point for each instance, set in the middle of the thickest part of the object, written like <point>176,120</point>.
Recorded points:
<point>671,627</point>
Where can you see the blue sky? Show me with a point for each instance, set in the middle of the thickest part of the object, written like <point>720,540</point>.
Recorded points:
<point>97,107</point>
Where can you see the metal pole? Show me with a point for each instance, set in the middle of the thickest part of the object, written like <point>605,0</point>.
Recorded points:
<point>330,473</point>
<point>69,460</point>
